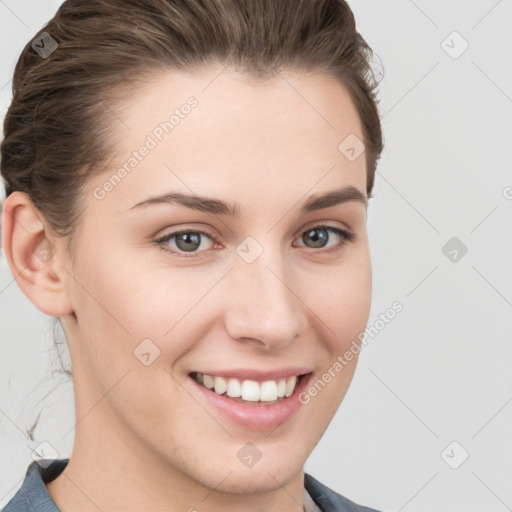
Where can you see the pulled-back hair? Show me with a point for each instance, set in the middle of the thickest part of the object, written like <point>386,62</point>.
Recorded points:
<point>58,128</point>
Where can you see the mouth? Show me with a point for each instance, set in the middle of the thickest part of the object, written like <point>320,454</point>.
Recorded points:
<point>248,391</point>
<point>257,403</point>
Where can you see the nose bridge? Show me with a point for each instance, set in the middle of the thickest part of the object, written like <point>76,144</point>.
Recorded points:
<point>263,305</point>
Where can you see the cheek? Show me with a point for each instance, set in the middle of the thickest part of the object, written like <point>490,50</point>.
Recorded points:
<point>342,300</point>
<point>343,307</point>
<point>125,313</point>
<point>123,317</point>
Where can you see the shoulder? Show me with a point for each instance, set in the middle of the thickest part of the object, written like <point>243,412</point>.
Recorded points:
<point>33,496</point>
<point>329,500</point>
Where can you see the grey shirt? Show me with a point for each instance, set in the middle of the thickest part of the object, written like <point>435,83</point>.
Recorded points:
<point>33,496</point>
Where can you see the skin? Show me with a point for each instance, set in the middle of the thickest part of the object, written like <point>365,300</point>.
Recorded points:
<point>141,441</point>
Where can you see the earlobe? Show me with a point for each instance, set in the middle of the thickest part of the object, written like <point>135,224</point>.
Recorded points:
<point>33,256</point>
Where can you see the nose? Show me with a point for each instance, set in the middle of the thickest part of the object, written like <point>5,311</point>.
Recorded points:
<point>263,308</point>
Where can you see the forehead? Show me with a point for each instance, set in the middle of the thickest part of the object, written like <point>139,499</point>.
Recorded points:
<point>215,132</point>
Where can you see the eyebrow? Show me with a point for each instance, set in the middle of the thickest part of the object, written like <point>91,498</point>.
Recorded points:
<point>218,207</point>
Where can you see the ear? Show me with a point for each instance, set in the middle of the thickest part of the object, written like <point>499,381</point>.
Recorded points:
<point>34,256</point>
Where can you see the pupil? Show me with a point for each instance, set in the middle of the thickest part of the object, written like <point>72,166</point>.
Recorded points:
<point>318,236</point>
<point>184,240</point>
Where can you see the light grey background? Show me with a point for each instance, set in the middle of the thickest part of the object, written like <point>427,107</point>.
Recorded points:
<point>441,370</point>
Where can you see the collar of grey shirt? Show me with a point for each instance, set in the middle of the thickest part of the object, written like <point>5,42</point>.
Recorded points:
<point>309,504</point>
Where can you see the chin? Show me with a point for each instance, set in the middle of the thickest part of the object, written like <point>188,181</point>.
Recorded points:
<point>247,482</point>
<point>258,479</point>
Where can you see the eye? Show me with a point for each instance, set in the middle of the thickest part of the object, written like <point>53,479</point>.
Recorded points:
<point>187,241</point>
<point>319,236</point>
<point>194,241</point>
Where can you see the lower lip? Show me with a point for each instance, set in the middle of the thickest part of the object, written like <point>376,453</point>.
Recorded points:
<point>257,417</point>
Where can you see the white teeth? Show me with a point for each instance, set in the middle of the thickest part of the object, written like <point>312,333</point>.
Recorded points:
<point>234,388</point>
<point>208,381</point>
<point>250,390</point>
<point>220,385</point>
<point>281,388</point>
<point>290,385</point>
<point>268,391</point>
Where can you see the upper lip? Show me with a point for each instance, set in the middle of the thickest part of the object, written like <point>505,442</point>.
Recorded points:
<point>257,375</point>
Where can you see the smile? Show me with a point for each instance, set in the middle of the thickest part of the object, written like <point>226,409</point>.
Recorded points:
<point>248,390</point>
<point>258,400</point>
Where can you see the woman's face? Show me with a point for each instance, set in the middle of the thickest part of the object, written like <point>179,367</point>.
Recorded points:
<point>258,287</point>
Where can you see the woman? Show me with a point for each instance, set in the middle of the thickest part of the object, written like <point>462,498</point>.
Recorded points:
<point>186,190</point>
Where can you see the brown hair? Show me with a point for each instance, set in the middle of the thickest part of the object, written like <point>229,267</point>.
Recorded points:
<point>57,130</point>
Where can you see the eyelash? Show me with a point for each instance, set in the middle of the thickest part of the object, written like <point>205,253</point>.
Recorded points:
<point>346,237</point>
